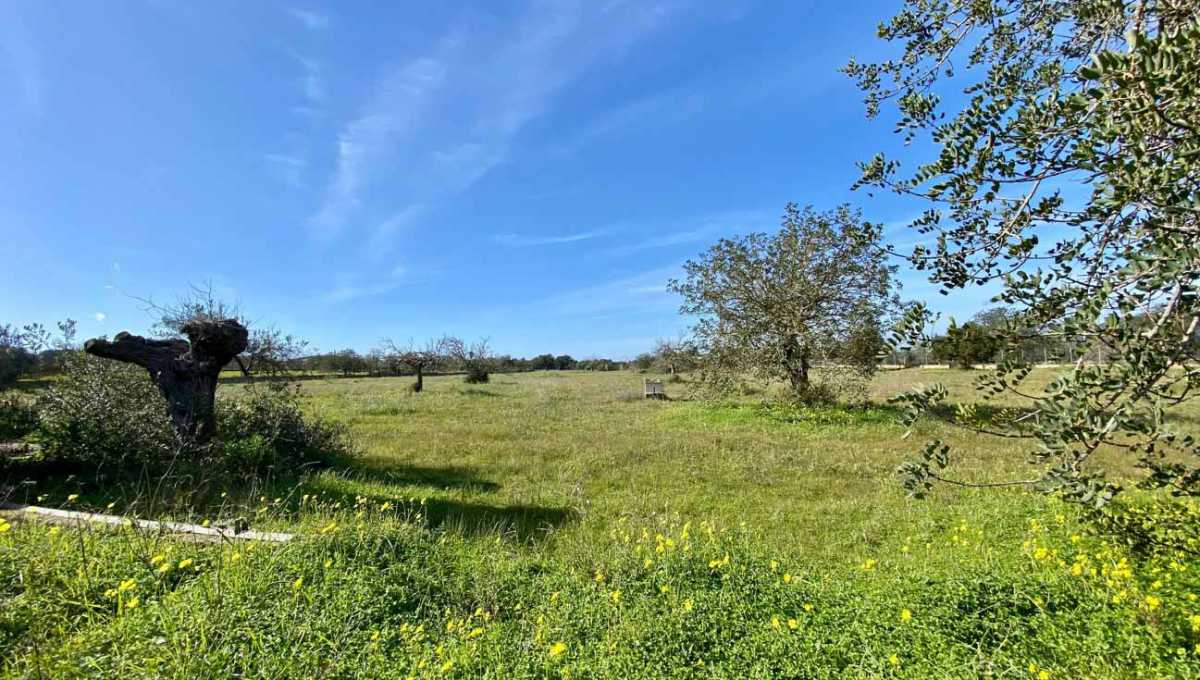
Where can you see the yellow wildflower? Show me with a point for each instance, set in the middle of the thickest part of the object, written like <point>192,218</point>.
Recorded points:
<point>905,616</point>
<point>616,596</point>
<point>775,622</point>
<point>687,605</point>
<point>126,585</point>
<point>1152,602</point>
<point>72,498</point>
<point>298,583</point>
<point>132,603</point>
<point>894,660</point>
<point>793,624</point>
<point>808,607</point>
<point>184,564</point>
<point>869,565</point>
<point>558,648</point>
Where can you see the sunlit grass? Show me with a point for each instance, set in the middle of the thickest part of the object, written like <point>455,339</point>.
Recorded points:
<point>555,525</point>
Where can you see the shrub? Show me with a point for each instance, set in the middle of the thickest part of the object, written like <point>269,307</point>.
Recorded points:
<point>476,375</point>
<point>266,427</point>
<point>103,413</point>
<point>18,417</point>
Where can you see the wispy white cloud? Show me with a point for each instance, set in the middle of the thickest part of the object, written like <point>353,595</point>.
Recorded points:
<point>355,287</point>
<point>637,293</point>
<point>398,222</point>
<point>519,240</point>
<point>368,140</point>
<point>652,112</point>
<point>100,317</point>
<point>312,20</point>
<point>437,123</point>
<point>312,83</point>
<point>698,230</point>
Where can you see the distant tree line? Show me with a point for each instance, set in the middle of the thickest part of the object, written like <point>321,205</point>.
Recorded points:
<point>449,354</point>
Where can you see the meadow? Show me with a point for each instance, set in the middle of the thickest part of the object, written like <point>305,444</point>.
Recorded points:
<point>555,524</point>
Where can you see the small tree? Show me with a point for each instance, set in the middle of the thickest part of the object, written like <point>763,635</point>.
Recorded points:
<point>347,362</point>
<point>475,358</point>
<point>417,359</point>
<point>270,352</point>
<point>15,358</point>
<point>675,355</point>
<point>779,304</point>
<point>965,346</point>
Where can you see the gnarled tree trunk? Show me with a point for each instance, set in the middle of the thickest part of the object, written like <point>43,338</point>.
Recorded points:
<point>184,371</point>
<point>796,364</point>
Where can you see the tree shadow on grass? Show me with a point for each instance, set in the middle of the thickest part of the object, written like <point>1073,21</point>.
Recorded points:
<point>476,392</point>
<point>378,471</point>
<point>520,522</point>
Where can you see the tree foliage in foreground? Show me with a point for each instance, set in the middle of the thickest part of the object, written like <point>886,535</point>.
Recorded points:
<point>1099,94</point>
<point>779,304</point>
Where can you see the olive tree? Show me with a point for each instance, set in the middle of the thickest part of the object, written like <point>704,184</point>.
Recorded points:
<point>1020,99</point>
<point>779,304</point>
<point>270,352</point>
<point>418,359</point>
<point>474,358</point>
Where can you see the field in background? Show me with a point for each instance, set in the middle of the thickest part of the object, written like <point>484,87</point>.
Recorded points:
<point>555,524</point>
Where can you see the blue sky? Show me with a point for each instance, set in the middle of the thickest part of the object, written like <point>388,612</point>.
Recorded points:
<point>531,172</point>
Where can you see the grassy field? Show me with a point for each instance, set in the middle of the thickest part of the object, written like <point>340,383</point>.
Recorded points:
<point>554,524</point>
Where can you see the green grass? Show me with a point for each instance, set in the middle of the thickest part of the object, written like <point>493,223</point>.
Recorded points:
<point>557,525</point>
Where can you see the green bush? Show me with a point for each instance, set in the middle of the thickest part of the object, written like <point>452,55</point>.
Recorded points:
<point>266,427</point>
<point>476,375</point>
<point>18,417</point>
<point>106,415</point>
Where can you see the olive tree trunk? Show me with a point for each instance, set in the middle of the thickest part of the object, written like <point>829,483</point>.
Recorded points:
<point>185,371</point>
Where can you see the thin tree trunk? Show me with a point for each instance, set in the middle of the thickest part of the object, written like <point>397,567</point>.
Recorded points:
<point>420,384</point>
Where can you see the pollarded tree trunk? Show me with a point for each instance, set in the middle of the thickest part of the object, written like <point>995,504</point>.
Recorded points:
<point>796,365</point>
<point>185,371</point>
<point>420,385</point>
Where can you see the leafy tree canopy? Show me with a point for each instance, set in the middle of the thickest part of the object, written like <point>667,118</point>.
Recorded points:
<point>778,304</point>
<point>1102,94</point>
